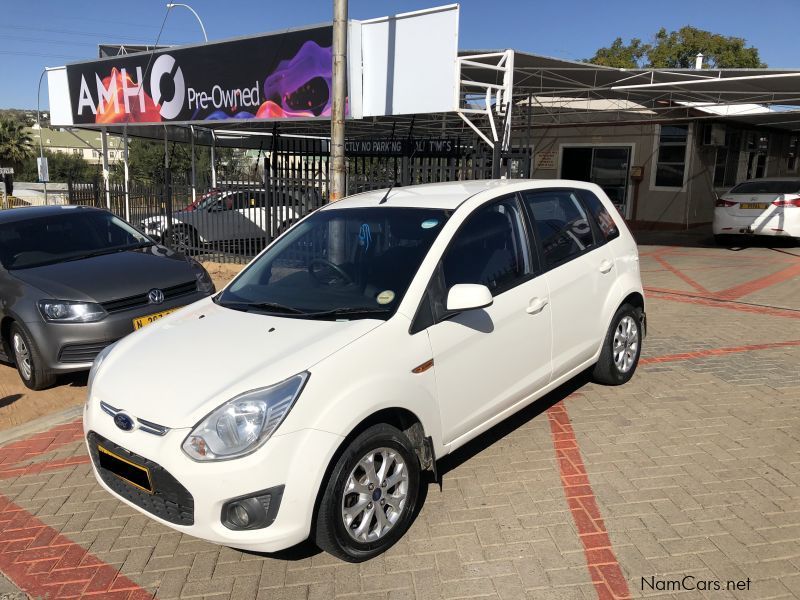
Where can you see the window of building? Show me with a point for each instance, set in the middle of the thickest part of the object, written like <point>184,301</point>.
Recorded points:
<point>727,162</point>
<point>791,163</point>
<point>671,162</point>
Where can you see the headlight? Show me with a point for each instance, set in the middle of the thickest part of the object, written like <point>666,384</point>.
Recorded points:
<point>245,423</point>
<point>204,282</point>
<point>96,367</point>
<point>65,311</point>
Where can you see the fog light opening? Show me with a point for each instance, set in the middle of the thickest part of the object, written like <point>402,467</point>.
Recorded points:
<point>255,511</point>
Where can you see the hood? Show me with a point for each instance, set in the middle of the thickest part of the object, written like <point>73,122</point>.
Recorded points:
<point>182,367</point>
<point>109,276</point>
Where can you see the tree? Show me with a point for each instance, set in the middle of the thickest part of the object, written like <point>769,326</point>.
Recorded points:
<point>678,49</point>
<point>15,143</point>
<point>62,168</point>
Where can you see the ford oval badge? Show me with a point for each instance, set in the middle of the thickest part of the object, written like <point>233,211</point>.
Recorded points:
<point>123,421</point>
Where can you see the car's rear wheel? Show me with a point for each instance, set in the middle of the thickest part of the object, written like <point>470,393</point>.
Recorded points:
<point>183,238</point>
<point>621,348</point>
<point>370,497</point>
<point>28,361</point>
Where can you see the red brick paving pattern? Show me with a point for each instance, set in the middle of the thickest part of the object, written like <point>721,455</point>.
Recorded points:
<point>45,563</point>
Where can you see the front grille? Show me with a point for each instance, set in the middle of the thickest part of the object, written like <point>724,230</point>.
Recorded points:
<point>175,291</point>
<point>146,426</point>
<point>81,353</point>
<point>169,501</point>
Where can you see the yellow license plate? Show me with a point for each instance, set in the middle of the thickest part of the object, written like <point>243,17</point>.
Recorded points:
<point>144,321</point>
<point>753,205</point>
<point>131,473</point>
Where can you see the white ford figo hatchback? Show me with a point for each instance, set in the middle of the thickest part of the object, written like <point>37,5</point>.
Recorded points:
<point>375,336</point>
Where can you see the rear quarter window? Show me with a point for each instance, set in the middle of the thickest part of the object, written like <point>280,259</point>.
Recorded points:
<point>605,222</point>
<point>767,187</point>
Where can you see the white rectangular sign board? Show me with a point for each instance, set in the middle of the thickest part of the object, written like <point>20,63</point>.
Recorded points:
<point>409,62</point>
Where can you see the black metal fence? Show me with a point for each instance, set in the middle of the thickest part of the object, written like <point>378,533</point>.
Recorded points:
<point>234,220</point>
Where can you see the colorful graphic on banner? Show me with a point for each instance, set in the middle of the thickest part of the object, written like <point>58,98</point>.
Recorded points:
<point>279,76</point>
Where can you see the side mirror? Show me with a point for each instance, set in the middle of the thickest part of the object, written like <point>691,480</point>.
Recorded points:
<point>468,296</point>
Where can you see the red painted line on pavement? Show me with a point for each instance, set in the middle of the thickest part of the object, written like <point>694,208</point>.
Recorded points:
<point>677,272</point>
<point>41,443</point>
<point>762,282</point>
<point>44,563</point>
<point>717,352</point>
<point>678,296</point>
<point>43,467</point>
<point>606,574</point>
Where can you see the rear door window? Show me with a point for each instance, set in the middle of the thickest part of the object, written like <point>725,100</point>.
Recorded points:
<point>561,224</point>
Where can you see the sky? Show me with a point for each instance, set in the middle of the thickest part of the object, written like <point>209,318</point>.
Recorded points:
<point>39,33</point>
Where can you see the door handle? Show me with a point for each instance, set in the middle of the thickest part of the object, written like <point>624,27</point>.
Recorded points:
<point>606,266</point>
<point>536,305</point>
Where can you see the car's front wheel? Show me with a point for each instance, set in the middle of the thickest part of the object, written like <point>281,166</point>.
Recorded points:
<point>370,497</point>
<point>183,238</point>
<point>28,361</point>
<point>622,347</point>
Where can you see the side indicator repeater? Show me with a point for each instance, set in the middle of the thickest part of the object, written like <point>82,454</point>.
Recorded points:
<point>423,367</point>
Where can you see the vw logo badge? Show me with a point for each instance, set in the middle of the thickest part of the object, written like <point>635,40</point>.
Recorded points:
<point>123,421</point>
<point>155,296</point>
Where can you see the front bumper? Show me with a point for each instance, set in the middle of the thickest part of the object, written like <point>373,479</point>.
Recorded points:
<point>68,347</point>
<point>295,460</point>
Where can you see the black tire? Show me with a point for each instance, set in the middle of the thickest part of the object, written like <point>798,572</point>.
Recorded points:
<point>183,238</point>
<point>723,240</point>
<point>330,530</point>
<point>28,360</point>
<point>607,371</point>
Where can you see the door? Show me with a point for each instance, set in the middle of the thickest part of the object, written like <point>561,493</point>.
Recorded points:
<point>487,360</point>
<point>608,167</point>
<point>580,273</point>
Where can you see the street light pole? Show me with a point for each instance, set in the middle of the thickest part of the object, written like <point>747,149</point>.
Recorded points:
<point>172,5</point>
<point>338,172</point>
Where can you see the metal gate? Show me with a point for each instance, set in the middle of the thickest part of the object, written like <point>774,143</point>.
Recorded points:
<point>236,219</point>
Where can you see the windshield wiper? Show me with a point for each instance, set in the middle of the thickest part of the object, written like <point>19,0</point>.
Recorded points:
<point>113,250</point>
<point>266,306</point>
<point>348,311</point>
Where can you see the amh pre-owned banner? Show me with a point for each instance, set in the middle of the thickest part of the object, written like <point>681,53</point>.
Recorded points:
<point>275,76</point>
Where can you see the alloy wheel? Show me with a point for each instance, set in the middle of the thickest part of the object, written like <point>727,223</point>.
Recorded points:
<point>375,495</point>
<point>22,356</point>
<point>626,343</point>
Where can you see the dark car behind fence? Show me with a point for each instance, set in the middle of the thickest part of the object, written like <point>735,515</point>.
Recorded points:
<point>236,218</point>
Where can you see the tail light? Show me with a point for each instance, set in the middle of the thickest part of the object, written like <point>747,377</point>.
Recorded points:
<point>786,202</point>
<point>723,203</point>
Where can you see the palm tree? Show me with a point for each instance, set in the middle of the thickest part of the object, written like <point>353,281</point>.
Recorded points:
<point>15,142</point>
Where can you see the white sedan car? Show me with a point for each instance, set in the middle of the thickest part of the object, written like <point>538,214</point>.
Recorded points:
<point>764,207</point>
<point>226,216</point>
<point>377,335</point>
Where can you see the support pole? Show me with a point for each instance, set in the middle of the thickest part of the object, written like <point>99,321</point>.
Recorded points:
<point>104,143</point>
<point>338,172</point>
<point>126,173</point>
<point>194,181</point>
<point>213,161</point>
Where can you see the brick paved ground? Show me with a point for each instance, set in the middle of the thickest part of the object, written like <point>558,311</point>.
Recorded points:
<point>691,469</point>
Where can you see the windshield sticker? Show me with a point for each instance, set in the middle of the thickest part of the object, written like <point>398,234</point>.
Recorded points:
<point>364,236</point>
<point>385,297</point>
<point>429,223</point>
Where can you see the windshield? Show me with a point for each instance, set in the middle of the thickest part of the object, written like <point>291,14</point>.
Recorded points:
<point>340,264</point>
<point>71,235</point>
<point>767,187</point>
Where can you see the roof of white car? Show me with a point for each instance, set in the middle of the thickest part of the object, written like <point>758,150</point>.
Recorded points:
<point>445,195</point>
